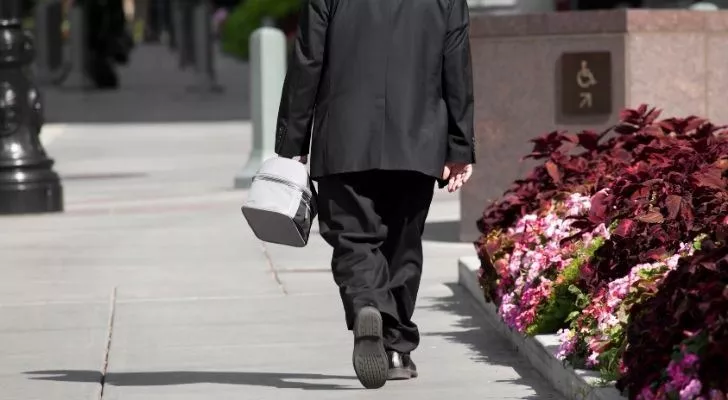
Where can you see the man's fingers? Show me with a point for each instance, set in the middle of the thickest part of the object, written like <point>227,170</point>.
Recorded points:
<point>451,183</point>
<point>446,172</point>
<point>456,175</point>
<point>459,182</point>
<point>455,183</point>
<point>467,175</point>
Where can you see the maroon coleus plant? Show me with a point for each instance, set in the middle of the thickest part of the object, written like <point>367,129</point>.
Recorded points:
<point>674,189</point>
<point>692,299</point>
<point>662,182</point>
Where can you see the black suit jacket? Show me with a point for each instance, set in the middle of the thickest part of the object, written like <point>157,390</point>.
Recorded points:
<point>379,84</point>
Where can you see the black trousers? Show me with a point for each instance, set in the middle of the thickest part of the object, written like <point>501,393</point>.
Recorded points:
<point>374,221</point>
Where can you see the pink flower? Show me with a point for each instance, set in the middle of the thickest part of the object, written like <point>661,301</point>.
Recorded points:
<point>678,379</point>
<point>682,378</point>
<point>607,321</point>
<point>689,360</point>
<point>593,359</point>
<point>622,367</point>
<point>672,261</point>
<point>601,230</point>
<point>567,343</point>
<point>691,391</point>
<point>646,394</point>
<point>618,290</point>
<point>537,253</point>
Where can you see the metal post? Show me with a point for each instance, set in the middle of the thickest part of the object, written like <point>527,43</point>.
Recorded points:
<point>267,73</point>
<point>77,77</point>
<point>49,65</point>
<point>28,183</point>
<point>204,54</point>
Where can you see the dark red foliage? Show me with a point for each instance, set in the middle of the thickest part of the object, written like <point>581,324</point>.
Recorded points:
<point>658,184</point>
<point>564,171</point>
<point>561,172</point>
<point>692,299</point>
<point>675,188</point>
<point>664,182</point>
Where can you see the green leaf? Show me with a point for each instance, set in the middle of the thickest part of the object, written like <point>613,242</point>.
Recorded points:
<point>574,290</point>
<point>573,315</point>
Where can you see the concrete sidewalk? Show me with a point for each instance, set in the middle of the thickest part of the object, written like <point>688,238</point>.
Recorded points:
<point>152,286</point>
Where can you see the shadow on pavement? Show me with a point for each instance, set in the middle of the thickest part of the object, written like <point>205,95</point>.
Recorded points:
<point>488,345</point>
<point>268,379</point>
<point>443,231</point>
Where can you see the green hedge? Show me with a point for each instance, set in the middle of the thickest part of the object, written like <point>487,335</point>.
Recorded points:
<point>248,17</point>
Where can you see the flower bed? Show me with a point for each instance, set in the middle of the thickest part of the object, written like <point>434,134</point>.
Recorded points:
<point>617,242</point>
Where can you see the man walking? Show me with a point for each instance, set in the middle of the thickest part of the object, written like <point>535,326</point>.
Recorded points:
<point>381,90</point>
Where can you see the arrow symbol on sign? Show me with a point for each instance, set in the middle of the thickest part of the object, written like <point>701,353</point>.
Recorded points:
<point>586,100</point>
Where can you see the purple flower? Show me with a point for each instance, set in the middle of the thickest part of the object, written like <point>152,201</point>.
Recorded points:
<point>677,375</point>
<point>691,391</point>
<point>689,360</point>
<point>646,394</point>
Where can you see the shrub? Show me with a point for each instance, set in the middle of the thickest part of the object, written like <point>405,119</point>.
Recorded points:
<point>249,16</point>
<point>590,243</point>
<point>686,318</point>
<point>673,189</point>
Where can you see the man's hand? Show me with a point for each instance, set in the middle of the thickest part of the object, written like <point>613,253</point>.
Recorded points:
<point>301,159</point>
<point>457,175</point>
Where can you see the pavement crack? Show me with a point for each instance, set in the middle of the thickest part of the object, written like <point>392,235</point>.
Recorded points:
<point>273,269</point>
<point>107,348</point>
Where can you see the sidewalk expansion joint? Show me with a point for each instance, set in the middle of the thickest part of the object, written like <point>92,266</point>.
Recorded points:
<point>107,348</point>
<point>273,269</point>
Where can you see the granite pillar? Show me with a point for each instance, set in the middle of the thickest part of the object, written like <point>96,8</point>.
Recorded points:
<point>671,59</point>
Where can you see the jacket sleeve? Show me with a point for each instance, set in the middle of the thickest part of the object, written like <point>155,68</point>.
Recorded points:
<point>295,115</point>
<point>458,85</point>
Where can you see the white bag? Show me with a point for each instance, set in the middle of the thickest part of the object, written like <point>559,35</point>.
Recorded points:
<point>281,204</point>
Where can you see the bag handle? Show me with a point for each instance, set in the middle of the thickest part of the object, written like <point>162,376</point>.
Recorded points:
<point>314,198</point>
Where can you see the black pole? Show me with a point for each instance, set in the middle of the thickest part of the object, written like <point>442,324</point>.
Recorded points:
<point>28,183</point>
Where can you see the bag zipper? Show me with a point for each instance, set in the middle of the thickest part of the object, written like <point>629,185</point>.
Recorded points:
<point>272,178</point>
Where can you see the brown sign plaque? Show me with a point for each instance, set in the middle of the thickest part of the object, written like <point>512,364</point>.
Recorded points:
<point>586,83</point>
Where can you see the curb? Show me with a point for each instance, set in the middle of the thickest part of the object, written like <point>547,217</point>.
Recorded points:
<point>540,350</point>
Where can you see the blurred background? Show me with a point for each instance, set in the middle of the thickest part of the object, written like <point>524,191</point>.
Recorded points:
<point>113,27</point>
<point>105,64</point>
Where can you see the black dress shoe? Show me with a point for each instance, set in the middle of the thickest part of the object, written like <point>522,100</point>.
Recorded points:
<point>401,366</point>
<point>370,359</point>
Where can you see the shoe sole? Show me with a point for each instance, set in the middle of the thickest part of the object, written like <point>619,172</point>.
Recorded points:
<point>370,359</point>
<point>399,374</point>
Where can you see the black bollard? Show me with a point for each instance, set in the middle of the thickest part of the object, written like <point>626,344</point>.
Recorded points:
<point>28,183</point>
